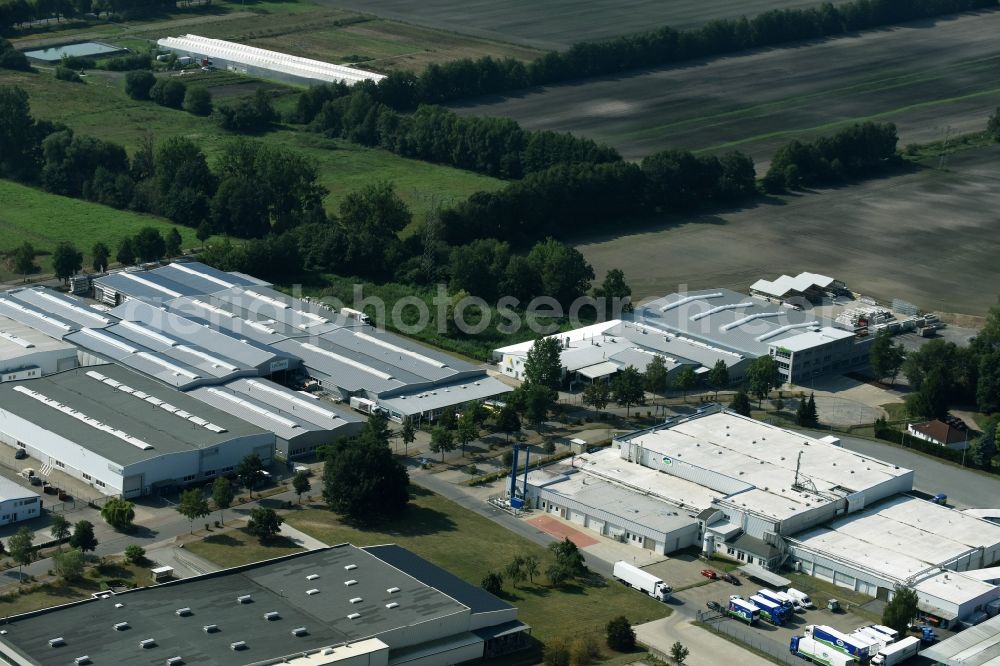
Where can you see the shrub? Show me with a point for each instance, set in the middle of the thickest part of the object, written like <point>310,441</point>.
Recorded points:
<point>620,635</point>
<point>198,101</point>
<point>135,553</point>
<point>129,62</point>
<point>584,650</point>
<point>168,92</point>
<point>78,63</point>
<point>11,58</point>
<point>556,654</point>
<point>67,74</point>
<point>138,84</point>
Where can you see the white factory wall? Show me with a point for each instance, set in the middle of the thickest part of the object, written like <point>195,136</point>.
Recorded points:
<point>20,508</point>
<point>647,457</point>
<point>961,610</point>
<point>80,462</point>
<point>47,362</point>
<point>844,574</point>
<point>492,618</point>
<point>430,630</point>
<point>446,657</point>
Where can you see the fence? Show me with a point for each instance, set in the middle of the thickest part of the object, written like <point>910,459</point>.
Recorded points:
<point>748,636</point>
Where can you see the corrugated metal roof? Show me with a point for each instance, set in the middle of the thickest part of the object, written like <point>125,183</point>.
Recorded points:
<point>975,646</point>
<point>440,396</point>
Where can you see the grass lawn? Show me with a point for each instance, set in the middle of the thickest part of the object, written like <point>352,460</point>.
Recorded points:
<point>471,546</point>
<point>44,219</point>
<point>236,547</point>
<point>896,411</point>
<point>33,597</point>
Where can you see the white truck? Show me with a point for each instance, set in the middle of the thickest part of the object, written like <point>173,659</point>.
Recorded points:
<point>642,581</point>
<point>356,314</point>
<point>897,652</point>
<point>801,597</point>
<point>363,405</point>
<point>812,650</point>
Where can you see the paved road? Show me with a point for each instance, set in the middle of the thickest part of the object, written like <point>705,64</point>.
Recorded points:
<point>964,488</point>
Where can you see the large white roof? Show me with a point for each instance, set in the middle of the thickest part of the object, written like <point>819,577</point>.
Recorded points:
<point>787,284</point>
<point>954,587</point>
<point>18,340</point>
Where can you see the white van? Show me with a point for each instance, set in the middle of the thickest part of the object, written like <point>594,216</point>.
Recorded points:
<point>801,597</point>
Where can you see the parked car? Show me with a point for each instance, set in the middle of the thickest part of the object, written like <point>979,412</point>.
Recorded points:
<point>714,605</point>
<point>730,578</point>
<point>708,573</point>
<point>20,454</point>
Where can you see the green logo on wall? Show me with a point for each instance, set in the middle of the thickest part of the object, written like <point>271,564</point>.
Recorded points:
<point>667,461</point>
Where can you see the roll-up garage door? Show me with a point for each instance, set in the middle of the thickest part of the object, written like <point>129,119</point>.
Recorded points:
<point>843,580</point>
<point>823,573</point>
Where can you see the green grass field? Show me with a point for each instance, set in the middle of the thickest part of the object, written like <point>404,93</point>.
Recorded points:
<point>236,547</point>
<point>44,219</point>
<point>470,546</point>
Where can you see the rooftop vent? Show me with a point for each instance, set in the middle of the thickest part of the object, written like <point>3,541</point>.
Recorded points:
<point>392,604</point>
<point>312,576</point>
<point>82,660</point>
<point>350,582</point>
<point>57,642</point>
<point>312,591</point>
<point>354,616</point>
<point>183,612</point>
<point>122,626</point>
<point>392,590</point>
<point>175,661</point>
<point>350,567</point>
<point>356,600</point>
<point>299,631</point>
<point>147,643</point>
<point>119,605</point>
<point>272,615</point>
<point>210,628</point>
<point>238,645</point>
<point>244,599</point>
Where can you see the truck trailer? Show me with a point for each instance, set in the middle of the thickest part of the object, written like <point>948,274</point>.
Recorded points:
<point>642,580</point>
<point>743,610</point>
<point>779,598</point>
<point>878,640</point>
<point>771,611</point>
<point>888,631</point>
<point>812,650</point>
<point>897,652</point>
<point>363,405</point>
<point>858,648</point>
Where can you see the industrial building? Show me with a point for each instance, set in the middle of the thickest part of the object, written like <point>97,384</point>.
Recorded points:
<point>262,63</point>
<point>975,646</point>
<point>773,499</point>
<point>18,503</point>
<point>124,433</point>
<point>377,606</point>
<point>811,287</point>
<point>26,352</point>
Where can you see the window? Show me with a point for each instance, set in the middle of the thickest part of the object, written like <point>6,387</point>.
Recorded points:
<point>87,477</point>
<point>100,483</point>
<point>59,463</point>
<point>209,472</point>
<point>730,551</point>
<point>189,477</point>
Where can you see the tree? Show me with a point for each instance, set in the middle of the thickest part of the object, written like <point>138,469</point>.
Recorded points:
<point>886,358</point>
<point>119,513</point>
<point>569,556</point>
<point>718,376</point>
<point>264,523</point>
<point>467,429</point>
<point>508,421</point>
<point>616,290</point>
<point>806,415</point>
<point>442,441</point>
<point>686,380</point>
<point>493,583</point>
<point>135,553</point>
<point>762,375</point>
<point>21,549</point>
<point>126,252</point>
<point>556,653</point>
<point>66,260</point>
<point>626,389</point>
<point>222,495</point>
<point>172,243</point>
<point>529,565</point>
<point>741,403</point>
<point>931,399</point>
<point>993,125</point>
<point>900,610</point>
<point>565,274</point>
<point>983,449</point>
<point>988,383</point>
<point>138,84</point>
<point>514,571</point>
<point>68,564</point>
<point>83,537</point>
<point>168,92</point>
<point>193,505</point>
<point>362,481</point>
<point>198,101</point>
<point>101,253</point>
<point>620,635</point>
<point>655,377</point>
<point>59,527</point>
<point>543,364</point>
<point>408,434</point>
<point>24,259</point>
<point>301,485</point>
<point>18,136</point>
<point>250,471</point>
<point>149,244</point>
<point>597,394</point>
<point>679,653</point>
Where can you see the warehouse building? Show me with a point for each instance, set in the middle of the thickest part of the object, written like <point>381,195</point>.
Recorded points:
<point>949,596</point>
<point>599,351</point>
<point>378,606</point>
<point>18,503</point>
<point>975,646</point>
<point>299,421</point>
<point>805,286</point>
<point>124,433</point>
<point>804,345</point>
<point>176,279</point>
<point>26,352</point>
<point>262,63</point>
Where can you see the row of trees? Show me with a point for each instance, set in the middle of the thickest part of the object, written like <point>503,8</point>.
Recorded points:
<point>11,58</point>
<point>143,85</point>
<point>853,152</point>
<point>466,78</point>
<point>14,13</point>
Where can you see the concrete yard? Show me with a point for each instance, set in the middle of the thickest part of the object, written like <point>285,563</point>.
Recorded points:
<point>927,236</point>
<point>931,78</point>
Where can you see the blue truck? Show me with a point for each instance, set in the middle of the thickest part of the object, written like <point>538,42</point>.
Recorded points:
<point>743,610</point>
<point>771,611</point>
<point>778,598</point>
<point>861,649</point>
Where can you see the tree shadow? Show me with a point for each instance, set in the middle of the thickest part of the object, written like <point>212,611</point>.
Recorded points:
<point>222,540</point>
